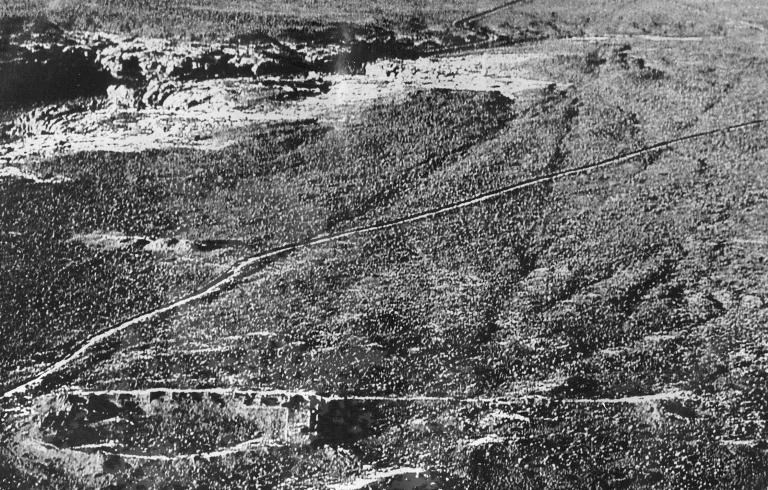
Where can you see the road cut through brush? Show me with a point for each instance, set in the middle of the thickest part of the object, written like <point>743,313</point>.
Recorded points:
<point>253,264</point>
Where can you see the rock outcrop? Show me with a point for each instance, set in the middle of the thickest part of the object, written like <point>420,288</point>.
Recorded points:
<point>143,72</point>
<point>33,73</point>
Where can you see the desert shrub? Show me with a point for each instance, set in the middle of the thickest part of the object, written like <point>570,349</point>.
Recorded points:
<point>593,60</point>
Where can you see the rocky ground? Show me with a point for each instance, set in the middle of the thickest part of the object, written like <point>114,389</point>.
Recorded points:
<point>522,249</point>
<point>162,94</point>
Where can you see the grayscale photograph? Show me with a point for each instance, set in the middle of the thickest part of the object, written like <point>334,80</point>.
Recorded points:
<point>384,244</point>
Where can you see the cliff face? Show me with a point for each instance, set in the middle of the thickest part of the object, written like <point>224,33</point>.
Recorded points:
<point>40,73</point>
<point>40,63</point>
<point>36,68</point>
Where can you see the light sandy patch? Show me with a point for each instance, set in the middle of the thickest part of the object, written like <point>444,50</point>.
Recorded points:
<point>378,476</point>
<point>117,241</point>
<point>661,338</point>
<point>485,441</point>
<point>11,172</point>
<point>635,400</point>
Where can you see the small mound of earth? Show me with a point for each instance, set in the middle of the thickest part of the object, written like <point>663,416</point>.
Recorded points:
<point>114,241</point>
<point>10,172</point>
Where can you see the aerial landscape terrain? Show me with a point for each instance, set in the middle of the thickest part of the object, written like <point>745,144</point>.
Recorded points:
<point>332,244</point>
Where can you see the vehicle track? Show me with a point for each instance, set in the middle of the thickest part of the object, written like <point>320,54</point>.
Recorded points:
<point>250,265</point>
<point>466,22</point>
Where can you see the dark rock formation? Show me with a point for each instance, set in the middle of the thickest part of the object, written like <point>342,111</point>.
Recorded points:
<point>46,74</point>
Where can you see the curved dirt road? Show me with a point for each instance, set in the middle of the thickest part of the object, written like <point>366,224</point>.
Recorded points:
<point>246,266</point>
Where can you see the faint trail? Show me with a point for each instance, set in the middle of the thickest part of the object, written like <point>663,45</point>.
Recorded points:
<point>633,400</point>
<point>645,37</point>
<point>239,270</point>
<point>245,267</point>
<point>500,401</point>
<point>205,391</point>
<point>740,442</point>
<point>219,453</point>
<point>730,20</point>
<point>493,42</point>
<point>466,22</point>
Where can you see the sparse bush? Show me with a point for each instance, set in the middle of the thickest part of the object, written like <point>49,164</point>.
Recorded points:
<point>593,60</point>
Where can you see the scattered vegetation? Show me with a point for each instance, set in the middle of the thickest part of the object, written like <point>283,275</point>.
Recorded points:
<point>636,280</point>
<point>199,20</point>
<point>555,18</point>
